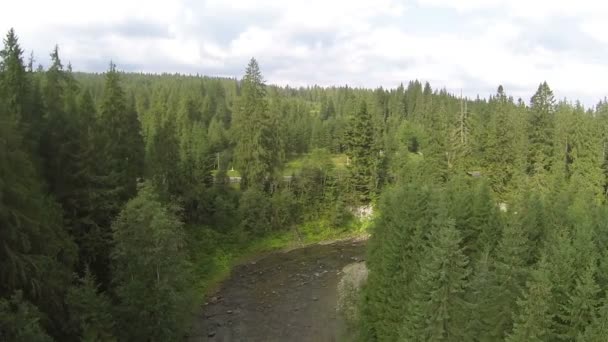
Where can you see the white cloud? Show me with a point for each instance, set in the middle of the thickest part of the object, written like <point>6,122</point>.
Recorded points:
<point>472,45</point>
<point>530,9</point>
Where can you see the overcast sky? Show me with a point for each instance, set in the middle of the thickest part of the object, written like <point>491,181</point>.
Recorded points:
<point>473,45</point>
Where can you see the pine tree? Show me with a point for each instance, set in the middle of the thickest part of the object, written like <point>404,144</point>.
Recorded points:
<point>90,310</point>
<point>119,146</point>
<point>480,294</point>
<point>511,272</point>
<point>584,156</point>
<point>501,155</point>
<point>14,85</point>
<point>256,149</point>
<point>534,318</point>
<point>438,311</point>
<point>562,274</point>
<point>20,321</point>
<point>61,147</point>
<point>119,138</point>
<point>582,304</point>
<point>163,159</point>
<point>486,219</point>
<point>533,218</point>
<point>540,135</point>
<point>395,251</point>
<point>598,329</point>
<point>37,254</point>
<point>363,154</point>
<point>85,230</point>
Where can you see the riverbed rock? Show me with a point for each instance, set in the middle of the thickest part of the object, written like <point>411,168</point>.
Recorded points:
<point>354,277</point>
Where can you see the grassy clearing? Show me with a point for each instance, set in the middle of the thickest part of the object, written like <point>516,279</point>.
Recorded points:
<point>339,160</point>
<point>229,173</point>
<point>296,164</point>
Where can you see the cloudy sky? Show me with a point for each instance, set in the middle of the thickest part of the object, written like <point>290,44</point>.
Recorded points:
<point>472,45</point>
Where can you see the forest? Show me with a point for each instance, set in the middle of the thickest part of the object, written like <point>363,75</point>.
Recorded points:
<point>124,195</point>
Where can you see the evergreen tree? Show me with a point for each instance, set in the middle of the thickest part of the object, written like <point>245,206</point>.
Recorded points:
<point>540,135</point>
<point>510,273</point>
<point>20,321</point>
<point>87,233</point>
<point>256,149</point>
<point>533,320</point>
<point>598,329</point>
<point>164,157</point>
<point>14,85</point>
<point>480,294</point>
<point>438,310</point>
<point>62,139</point>
<point>120,139</point>
<point>119,146</point>
<point>363,153</point>
<point>395,252</point>
<point>582,304</point>
<point>502,155</point>
<point>90,311</point>
<point>37,254</point>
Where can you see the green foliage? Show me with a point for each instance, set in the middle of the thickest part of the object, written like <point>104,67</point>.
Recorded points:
<point>37,254</point>
<point>90,311</point>
<point>510,274</point>
<point>364,156</point>
<point>438,307</point>
<point>255,132</point>
<point>14,85</point>
<point>502,153</point>
<point>395,251</point>
<point>151,270</point>
<point>163,156</point>
<point>598,329</point>
<point>540,135</point>
<point>533,321</point>
<point>285,209</point>
<point>255,210</point>
<point>20,321</point>
<point>582,304</point>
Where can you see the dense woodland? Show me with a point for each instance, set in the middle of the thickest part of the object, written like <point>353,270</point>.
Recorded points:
<point>118,200</point>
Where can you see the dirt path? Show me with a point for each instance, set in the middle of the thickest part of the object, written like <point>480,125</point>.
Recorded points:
<point>286,296</point>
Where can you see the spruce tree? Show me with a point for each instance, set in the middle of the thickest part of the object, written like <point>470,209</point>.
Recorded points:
<point>510,273</point>
<point>14,84</point>
<point>501,155</point>
<point>598,329</point>
<point>480,294</point>
<point>61,147</point>
<point>394,254</point>
<point>256,151</point>
<point>438,311</point>
<point>37,254</point>
<point>119,147</point>
<point>164,159</point>
<point>20,321</point>
<point>540,135</point>
<point>582,304</point>
<point>533,319</point>
<point>90,311</point>
<point>363,155</point>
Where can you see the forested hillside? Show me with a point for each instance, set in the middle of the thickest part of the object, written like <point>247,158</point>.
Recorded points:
<point>122,194</point>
